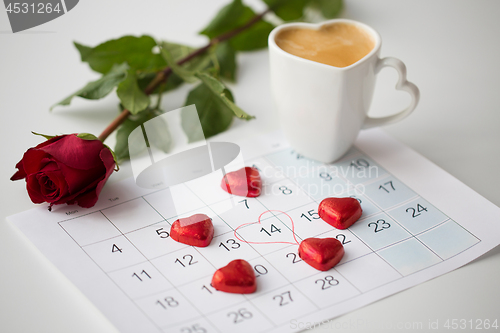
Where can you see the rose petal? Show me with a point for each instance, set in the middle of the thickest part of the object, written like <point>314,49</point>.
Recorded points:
<point>33,189</point>
<point>50,141</point>
<point>47,188</point>
<point>59,186</point>
<point>34,160</point>
<point>75,152</point>
<point>89,199</point>
<point>20,174</point>
<point>77,179</point>
<point>108,161</point>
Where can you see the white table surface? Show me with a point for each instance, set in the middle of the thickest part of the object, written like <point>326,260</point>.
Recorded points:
<point>450,47</point>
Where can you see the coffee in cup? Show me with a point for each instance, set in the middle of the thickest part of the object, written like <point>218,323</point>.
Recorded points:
<point>338,44</point>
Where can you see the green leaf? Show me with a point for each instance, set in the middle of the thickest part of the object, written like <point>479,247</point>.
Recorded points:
<point>136,51</point>
<point>84,50</point>
<point>130,95</point>
<point>227,19</point>
<point>220,91</point>
<point>329,8</point>
<point>215,106</point>
<point>99,88</point>
<point>179,51</point>
<point>226,56</point>
<point>157,128</point>
<point>253,38</point>
<point>48,137</point>
<point>173,82</point>
<point>87,136</point>
<point>215,116</point>
<point>288,10</point>
<point>236,15</point>
<point>184,73</point>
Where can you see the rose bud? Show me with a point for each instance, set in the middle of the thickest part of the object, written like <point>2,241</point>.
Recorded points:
<point>66,169</point>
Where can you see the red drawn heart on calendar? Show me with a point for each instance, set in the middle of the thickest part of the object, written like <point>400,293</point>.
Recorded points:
<point>259,223</point>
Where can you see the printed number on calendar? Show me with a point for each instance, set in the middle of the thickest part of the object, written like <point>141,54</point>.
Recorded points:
<point>325,176</point>
<point>115,248</point>
<point>284,298</point>
<point>359,164</point>
<point>311,215</point>
<point>295,258</point>
<point>415,212</point>
<point>196,328</point>
<point>142,275</point>
<point>209,290</point>
<point>187,260</point>
<point>162,233</point>
<point>231,244</point>
<point>380,225</point>
<point>387,187</point>
<point>342,239</point>
<point>327,282</point>
<point>285,190</point>
<point>273,230</point>
<point>245,201</point>
<point>260,269</point>
<point>167,302</point>
<point>240,315</point>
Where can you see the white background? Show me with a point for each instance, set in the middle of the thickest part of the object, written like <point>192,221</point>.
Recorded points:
<point>451,50</point>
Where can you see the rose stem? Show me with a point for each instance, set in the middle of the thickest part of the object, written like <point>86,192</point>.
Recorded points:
<point>165,73</point>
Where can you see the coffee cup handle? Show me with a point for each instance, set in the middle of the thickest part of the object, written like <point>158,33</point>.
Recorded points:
<point>402,84</point>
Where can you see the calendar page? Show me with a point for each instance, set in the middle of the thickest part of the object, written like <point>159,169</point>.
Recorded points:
<point>418,222</point>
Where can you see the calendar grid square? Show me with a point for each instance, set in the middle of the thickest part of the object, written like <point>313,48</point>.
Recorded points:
<point>209,207</point>
<point>327,281</point>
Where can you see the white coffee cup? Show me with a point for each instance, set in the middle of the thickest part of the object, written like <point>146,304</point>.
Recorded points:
<point>322,108</point>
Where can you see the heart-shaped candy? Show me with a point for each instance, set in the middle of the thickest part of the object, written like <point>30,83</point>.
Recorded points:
<point>340,212</point>
<point>237,277</point>
<point>245,182</point>
<point>321,253</point>
<point>196,230</point>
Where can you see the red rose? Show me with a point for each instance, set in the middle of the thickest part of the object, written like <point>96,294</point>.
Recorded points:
<point>66,169</point>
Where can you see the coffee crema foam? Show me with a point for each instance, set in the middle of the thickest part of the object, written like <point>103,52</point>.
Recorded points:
<point>337,44</point>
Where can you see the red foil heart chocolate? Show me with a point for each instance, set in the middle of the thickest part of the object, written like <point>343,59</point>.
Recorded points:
<point>244,182</point>
<point>237,277</point>
<point>196,230</point>
<point>321,253</point>
<point>340,212</point>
